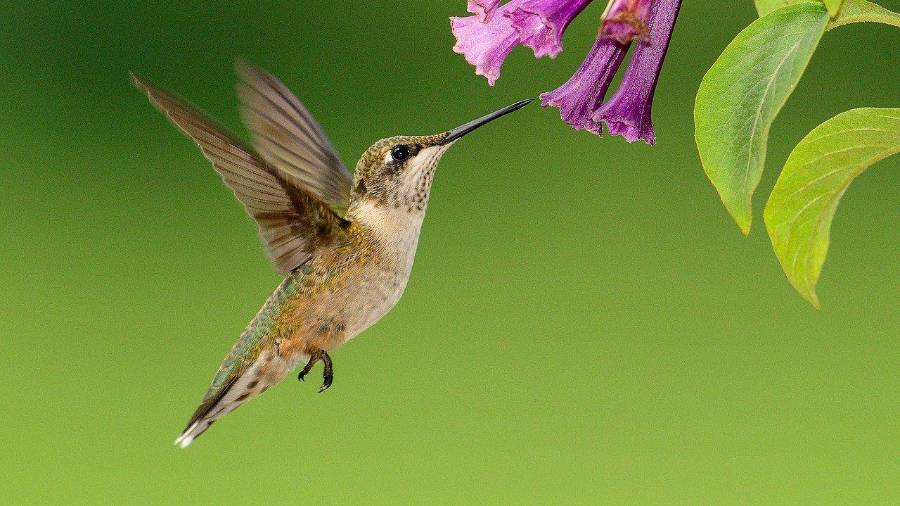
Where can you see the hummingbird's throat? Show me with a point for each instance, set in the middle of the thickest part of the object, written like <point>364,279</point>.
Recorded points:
<point>396,229</point>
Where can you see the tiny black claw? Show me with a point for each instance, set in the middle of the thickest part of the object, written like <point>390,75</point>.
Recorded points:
<point>308,367</point>
<point>327,374</point>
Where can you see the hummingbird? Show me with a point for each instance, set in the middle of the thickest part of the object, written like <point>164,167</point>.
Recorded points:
<point>344,243</point>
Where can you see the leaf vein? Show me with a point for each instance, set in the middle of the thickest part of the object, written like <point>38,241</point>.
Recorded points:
<point>849,130</point>
<point>757,114</point>
<point>844,150</point>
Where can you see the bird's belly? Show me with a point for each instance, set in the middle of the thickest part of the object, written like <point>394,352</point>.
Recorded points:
<point>343,296</point>
<point>378,292</point>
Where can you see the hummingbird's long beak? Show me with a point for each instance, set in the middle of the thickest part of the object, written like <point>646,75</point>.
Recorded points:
<point>461,130</point>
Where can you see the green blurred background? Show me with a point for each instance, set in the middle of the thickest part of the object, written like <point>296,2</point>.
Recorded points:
<point>584,323</point>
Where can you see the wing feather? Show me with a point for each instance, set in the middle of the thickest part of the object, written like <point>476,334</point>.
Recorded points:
<point>287,136</point>
<point>293,222</point>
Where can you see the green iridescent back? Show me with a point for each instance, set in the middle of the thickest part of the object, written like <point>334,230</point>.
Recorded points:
<point>255,337</point>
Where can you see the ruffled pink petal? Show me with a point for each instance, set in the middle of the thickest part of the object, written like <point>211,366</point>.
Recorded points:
<point>486,45</point>
<point>541,23</point>
<point>483,9</point>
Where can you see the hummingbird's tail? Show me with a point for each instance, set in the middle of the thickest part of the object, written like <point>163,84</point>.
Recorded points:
<point>211,409</point>
<point>192,432</point>
<point>224,397</point>
<point>251,367</point>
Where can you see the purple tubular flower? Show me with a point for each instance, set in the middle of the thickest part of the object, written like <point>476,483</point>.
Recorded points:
<point>627,113</point>
<point>486,44</point>
<point>541,23</point>
<point>482,9</point>
<point>579,96</point>
<point>625,20</point>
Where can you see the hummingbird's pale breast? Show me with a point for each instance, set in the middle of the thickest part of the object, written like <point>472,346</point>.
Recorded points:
<point>395,236</point>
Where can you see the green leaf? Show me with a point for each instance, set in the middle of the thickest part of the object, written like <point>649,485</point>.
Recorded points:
<point>833,6</point>
<point>842,12</point>
<point>818,171</point>
<point>863,11</point>
<point>742,93</point>
<point>764,7</point>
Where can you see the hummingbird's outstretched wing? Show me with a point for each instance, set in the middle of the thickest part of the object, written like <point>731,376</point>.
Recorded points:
<point>292,221</point>
<point>287,137</point>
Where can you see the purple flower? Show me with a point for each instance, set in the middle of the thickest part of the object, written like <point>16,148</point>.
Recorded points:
<point>483,9</point>
<point>627,113</point>
<point>579,96</point>
<point>485,44</point>
<point>541,23</point>
<point>625,20</point>
<point>488,36</point>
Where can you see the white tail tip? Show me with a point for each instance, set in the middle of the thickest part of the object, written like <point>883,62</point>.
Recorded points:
<point>184,441</point>
<point>187,437</point>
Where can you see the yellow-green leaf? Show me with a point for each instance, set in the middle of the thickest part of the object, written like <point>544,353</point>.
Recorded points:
<point>842,12</point>
<point>742,93</point>
<point>863,11</point>
<point>764,7</point>
<point>800,210</point>
<point>833,6</point>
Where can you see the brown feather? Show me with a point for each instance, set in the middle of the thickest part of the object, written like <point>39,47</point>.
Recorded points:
<point>292,221</point>
<point>287,137</point>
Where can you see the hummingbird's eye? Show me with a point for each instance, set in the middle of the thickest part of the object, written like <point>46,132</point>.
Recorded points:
<point>400,152</point>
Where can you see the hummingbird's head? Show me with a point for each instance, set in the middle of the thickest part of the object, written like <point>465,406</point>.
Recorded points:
<point>395,174</point>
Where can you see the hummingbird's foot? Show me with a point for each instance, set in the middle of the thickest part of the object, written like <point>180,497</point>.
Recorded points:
<point>308,367</point>
<point>327,374</point>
